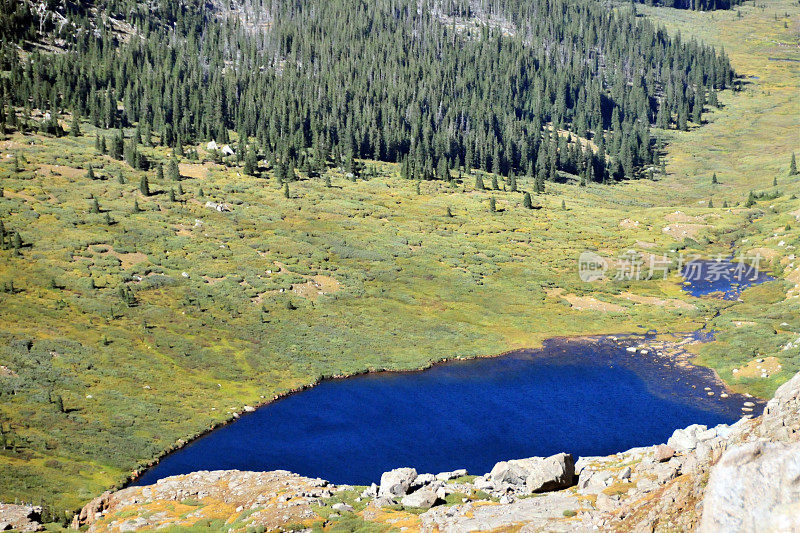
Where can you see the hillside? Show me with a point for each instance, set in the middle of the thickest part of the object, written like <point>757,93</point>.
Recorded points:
<point>135,315</point>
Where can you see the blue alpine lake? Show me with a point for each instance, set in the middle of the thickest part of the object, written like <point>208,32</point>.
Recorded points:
<point>586,396</point>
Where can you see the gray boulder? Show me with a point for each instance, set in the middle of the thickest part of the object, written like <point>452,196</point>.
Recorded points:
<point>535,474</point>
<point>551,473</point>
<point>342,507</point>
<point>396,482</point>
<point>663,453</point>
<point>755,487</point>
<point>447,476</point>
<point>424,479</point>
<point>423,498</point>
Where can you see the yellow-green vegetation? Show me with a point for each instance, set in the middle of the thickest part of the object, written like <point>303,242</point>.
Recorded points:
<point>125,331</point>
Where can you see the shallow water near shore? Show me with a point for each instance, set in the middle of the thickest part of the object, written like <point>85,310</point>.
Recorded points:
<point>587,396</point>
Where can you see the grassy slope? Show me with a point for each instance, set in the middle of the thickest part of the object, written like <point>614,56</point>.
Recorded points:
<point>415,285</point>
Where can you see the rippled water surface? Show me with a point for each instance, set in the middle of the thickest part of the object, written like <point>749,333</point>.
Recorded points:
<point>586,397</point>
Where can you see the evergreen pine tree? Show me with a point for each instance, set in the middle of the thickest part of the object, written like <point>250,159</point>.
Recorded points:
<point>526,201</point>
<point>492,205</point>
<point>90,173</point>
<point>160,173</point>
<point>563,205</point>
<point>793,166</point>
<point>144,186</point>
<point>173,171</point>
<point>479,183</point>
<point>136,208</point>
<point>75,128</point>
<point>286,193</point>
<point>328,181</point>
<point>172,195</point>
<point>714,179</point>
<point>710,203</point>
<point>95,206</point>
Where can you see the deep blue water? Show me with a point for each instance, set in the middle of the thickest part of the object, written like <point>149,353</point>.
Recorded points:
<point>587,397</point>
<point>728,278</point>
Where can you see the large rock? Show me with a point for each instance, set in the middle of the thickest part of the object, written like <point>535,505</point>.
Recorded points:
<point>536,474</point>
<point>663,453</point>
<point>447,476</point>
<point>423,498</point>
<point>396,482</point>
<point>551,473</point>
<point>754,487</point>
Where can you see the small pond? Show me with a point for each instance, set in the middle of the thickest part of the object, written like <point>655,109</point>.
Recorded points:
<point>721,277</point>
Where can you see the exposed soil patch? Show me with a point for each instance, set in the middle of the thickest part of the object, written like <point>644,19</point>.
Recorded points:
<point>317,286</point>
<point>194,170</point>
<point>759,368</point>
<point>629,223</point>
<point>61,170</point>
<point>127,260</point>
<point>680,216</point>
<point>682,231</point>
<point>669,303</point>
<point>585,303</point>
<point>766,253</point>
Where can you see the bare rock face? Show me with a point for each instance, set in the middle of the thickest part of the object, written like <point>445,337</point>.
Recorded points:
<point>781,418</point>
<point>754,487</point>
<point>274,498</point>
<point>20,517</point>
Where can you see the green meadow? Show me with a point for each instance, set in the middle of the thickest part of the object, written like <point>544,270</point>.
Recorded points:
<point>131,322</point>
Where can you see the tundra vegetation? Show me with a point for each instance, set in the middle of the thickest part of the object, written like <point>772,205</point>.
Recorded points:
<point>152,285</point>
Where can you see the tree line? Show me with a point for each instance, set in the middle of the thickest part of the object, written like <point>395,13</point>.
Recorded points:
<point>559,85</point>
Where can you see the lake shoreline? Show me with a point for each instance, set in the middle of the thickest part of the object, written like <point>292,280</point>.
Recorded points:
<point>681,358</point>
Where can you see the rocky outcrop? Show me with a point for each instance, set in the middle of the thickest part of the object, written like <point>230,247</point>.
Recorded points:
<point>743,477</point>
<point>781,418</point>
<point>754,487</point>
<point>21,518</point>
